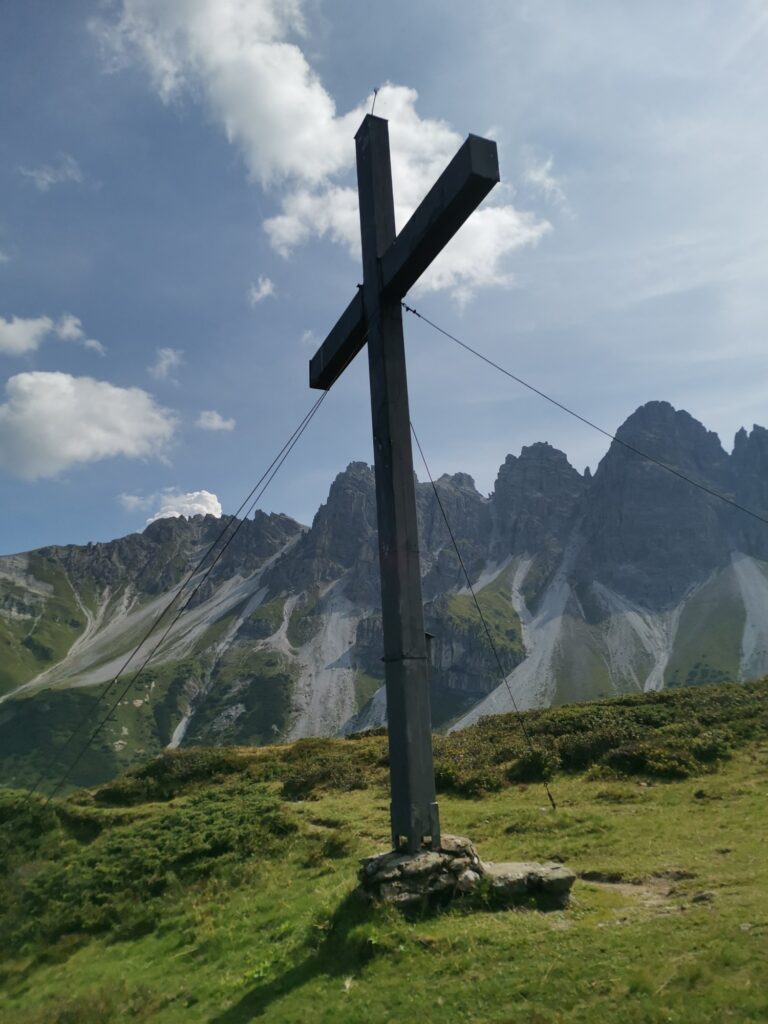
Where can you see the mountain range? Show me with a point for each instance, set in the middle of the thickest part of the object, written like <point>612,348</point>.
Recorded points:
<point>629,579</point>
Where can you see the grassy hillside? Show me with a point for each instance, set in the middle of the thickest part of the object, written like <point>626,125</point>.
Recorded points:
<point>219,885</point>
<point>37,629</point>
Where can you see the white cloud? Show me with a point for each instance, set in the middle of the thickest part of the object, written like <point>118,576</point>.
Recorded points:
<point>47,175</point>
<point>260,88</point>
<point>209,419</point>
<point>309,339</point>
<point>4,257</point>
<point>51,421</point>
<point>192,503</point>
<point>166,361</point>
<point>170,503</point>
<point>539,175</point>
<point>20,335</point>
<point>261,290</point>
<point>70,328</point>
<point>134,502</point>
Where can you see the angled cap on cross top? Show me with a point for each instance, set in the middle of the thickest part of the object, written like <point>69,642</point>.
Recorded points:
<point>459,190</point>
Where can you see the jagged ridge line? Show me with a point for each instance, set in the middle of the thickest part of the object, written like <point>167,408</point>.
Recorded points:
<point>502,674</point>
<point>190,576</point>
<point>286,450</point>
<point>589,423</point>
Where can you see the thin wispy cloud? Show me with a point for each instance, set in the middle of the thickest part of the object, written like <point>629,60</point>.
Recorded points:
<point>262,289</point>
<point>539,175</point>
<point>167,361</point>
<point>209,419</point>
<point>70,328</point>
<point>65,170</point>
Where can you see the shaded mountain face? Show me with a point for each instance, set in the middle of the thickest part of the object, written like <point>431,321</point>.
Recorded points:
<point>590,585</point>
<point>647,533</point>
<point>534,501</point>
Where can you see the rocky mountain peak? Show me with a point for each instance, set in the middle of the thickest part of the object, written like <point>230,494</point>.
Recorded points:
<point>535,499</point>
<point>461,481</point>
<point>342,538</point>
<point>350,509</point>
<point>750,449</point>
<point>650,534</point>
<point>675,437</point>
<point>749,463</point>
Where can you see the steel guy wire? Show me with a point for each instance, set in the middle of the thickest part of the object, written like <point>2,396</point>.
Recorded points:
<point>589,423</point>
<point>502,673</point>
<point>191,574</point>
<point>272,472</point>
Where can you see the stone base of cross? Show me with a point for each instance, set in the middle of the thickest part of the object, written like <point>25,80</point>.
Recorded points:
<point>392,263</point>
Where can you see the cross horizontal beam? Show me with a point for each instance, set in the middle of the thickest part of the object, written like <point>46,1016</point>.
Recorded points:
<point>465,182</point>
<point>341,346</point>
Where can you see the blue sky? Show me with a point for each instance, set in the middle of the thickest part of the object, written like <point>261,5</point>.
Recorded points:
<point>178,232</point>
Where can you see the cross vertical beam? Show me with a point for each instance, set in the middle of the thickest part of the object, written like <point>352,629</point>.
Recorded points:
<point>392,264</point>
<point>414,813</point>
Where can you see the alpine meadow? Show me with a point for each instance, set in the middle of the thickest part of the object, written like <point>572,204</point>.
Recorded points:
<point>476,728</point>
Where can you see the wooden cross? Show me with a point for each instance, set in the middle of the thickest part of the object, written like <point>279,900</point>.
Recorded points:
<point>391,265</point>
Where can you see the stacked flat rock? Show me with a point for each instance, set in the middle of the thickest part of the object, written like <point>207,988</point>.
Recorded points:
<point>456,869</point>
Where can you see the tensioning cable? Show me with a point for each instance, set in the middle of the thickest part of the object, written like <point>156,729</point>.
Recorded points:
<point>265,480</point>
<point>492,645</point>
<point>625,444</point>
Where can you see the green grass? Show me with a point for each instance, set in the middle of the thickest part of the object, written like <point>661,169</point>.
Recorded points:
<point>261,683</point>
<point>365,687</point>
<point>30,645</point>
<point>302,624</point>
<point>503,622</point>
<point>193,890</point>
<point>35,729</point>
<point>709,635</point>
<point>269,615</point>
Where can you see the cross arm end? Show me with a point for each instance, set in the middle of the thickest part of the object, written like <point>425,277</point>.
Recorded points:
<point>344,341</point>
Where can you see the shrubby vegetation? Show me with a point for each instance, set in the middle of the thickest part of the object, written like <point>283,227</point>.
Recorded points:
<point>74,870</point>
<point>218,884</point>
<point>671,734</point>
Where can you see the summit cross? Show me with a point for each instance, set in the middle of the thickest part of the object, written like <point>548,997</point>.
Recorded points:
<point>392,263</point>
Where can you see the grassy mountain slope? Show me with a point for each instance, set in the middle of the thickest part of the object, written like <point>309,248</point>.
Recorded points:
<point>218,885</point>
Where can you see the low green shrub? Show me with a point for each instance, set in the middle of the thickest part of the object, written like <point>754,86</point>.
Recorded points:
<point>537,764</point>
<point>170,774</point>
<point>117,880</point>
<point>314,765</point>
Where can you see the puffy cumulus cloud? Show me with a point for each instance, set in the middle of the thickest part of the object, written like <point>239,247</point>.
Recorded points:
<point>171,503</point>
<point>258,85</point>
<point>262,289</point>
<point>243,61</point>
<point>66,169</point>
<point>20,335</point>
<point>167,361</point>
<point>52,421</point>
<point>209,419</point>
<point>487,238</point>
